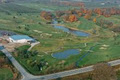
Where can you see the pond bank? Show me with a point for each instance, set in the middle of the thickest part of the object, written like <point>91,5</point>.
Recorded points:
<point>65,54</point>
<point>70,30</point>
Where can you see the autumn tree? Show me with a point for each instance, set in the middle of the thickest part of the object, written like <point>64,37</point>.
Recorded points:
<point>98,11</point>
<point>46,15</point>
<point>87,16</point>
<point>79,14</point>
<point>103,71</point>
<point>72,18</point>
<point>59,13</point>
<point>95,20</point>
<point>113,11</point>
<point>107,14</point>
<point>84,10</point>
<point>66,17</point>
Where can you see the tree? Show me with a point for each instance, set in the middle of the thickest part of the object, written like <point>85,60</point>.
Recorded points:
<point>46,15</point>
<point>27,29</point>
<point>72,18</point>
<point>94,20</point>
<point>66,17</point>
<point>40,64</point>
<point>59,13</point>
<point>79,14</point>
<point>87,16</point>
<point>116,29</point>
<point>113,11</point>
<point>19,27</point>
<point>103,71</point>
<point>2,61</point>
<point>98,11</point>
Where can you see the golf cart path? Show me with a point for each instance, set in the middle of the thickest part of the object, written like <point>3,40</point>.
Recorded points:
<point>28,76</point>
<point>33,44</point>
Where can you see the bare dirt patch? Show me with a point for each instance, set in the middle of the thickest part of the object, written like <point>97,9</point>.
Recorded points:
<point>11,46</point>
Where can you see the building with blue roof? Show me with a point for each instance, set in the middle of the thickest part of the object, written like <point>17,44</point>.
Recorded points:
<point>20,39</point>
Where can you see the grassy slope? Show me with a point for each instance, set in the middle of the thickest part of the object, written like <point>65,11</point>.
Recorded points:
<point>12,7</point>
<point>81,24</point>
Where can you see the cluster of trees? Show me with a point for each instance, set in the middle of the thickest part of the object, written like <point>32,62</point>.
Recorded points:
<point>23,52</point>
<point>104,71</point>
<point>108,24</point>
<point>74,14</point>
<point>87,13</point>
<point>46,15</point>
<point>107,12</point>
<point>71,18</point>
<point>39,63</point>
<point>116,29</point>
<point>105,23</point>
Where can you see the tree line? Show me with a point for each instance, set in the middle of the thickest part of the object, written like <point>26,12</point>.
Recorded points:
<point>74,14</point>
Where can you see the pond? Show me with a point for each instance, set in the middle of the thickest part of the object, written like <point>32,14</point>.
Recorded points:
<point>66,54</point>
<point>1,47</point>
<point>70,52</point>
<point>65,29</point>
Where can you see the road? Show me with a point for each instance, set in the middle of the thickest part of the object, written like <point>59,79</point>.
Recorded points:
<point>33,44</point>
<point>28,76</point>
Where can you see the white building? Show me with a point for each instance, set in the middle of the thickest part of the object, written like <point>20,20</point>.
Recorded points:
<point>20,39</point>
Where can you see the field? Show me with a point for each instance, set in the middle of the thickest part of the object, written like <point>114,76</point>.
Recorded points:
<point>27,20</point>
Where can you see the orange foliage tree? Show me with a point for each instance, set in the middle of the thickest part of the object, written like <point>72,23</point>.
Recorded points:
<point>95,20</point>
<point>46,15</point>
<point>72,18</point>
<point>87,16</point>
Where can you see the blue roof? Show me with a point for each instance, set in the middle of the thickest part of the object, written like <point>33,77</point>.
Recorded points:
<point>19,37</point>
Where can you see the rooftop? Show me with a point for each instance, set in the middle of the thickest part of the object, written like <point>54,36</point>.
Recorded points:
<point>19,37</point>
